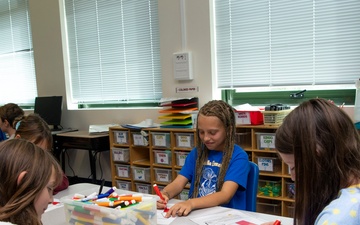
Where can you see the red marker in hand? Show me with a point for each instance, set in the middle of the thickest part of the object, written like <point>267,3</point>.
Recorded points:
<point>157,191</point>
<point>277,222</point>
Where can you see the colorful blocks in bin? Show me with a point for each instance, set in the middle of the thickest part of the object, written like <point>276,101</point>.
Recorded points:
<point>79,212</point>
<point>290,189</point>
<point>269,188</point>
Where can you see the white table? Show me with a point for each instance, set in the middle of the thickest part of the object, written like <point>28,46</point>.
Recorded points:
<point>56,215</point>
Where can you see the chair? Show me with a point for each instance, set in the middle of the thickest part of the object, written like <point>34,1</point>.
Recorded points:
<point>252,187</point>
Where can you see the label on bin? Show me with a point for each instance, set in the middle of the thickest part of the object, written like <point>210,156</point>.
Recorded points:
<point>121,137</point>
<point>162,177</point>
<point>119,156</point>
<point>243,118</point>
<point>181,159</point>
<point>162,157</point>
<point>123,172</point>
<point>184,141</point>
<point>139,174</point>
<point>267,141</point>
<point>138,139</point>
<point>160,140</point>
<point>265,164</point>
<point>143,189</point>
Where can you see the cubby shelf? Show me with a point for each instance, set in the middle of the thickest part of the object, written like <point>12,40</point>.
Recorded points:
<point>162,152</point>
<point>248,138</point>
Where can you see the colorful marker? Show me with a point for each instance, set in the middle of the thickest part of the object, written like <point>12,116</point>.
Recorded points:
<point>157,191</point>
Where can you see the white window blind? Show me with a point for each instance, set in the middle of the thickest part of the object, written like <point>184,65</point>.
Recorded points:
<point>17,72</point>
<point>114,51</point>
<point>287,43</point>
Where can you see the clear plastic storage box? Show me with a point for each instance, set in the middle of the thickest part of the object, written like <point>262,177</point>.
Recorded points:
<point>121,137</point>
<point>123,170</point>
<point>162,157</point>
<point>121,154</point>
<point>268,164</point>
<point>141,173</point>
<point>184,140</point>
<point>163,175</point>
<point>160,139</point>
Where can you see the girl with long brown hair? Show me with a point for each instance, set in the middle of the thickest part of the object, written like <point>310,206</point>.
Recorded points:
<point>216,168</point>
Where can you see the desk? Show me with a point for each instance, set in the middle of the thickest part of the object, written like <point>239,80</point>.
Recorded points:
<point>93,143</point>
<point>56,216</point>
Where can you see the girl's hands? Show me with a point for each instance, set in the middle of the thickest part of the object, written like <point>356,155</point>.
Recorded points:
<point>180,209</point>
<point>161,204</point>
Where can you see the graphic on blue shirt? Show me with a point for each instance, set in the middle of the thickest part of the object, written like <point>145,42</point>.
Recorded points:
<point>208,186</point>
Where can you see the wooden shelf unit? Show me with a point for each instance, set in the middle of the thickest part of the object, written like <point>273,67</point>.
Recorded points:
<point>247,138</point>
<point>161,142</point>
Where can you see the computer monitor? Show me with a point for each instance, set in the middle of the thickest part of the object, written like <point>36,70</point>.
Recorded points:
<point>49,108</point>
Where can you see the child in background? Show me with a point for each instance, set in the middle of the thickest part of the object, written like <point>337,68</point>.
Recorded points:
<point>319,143</point>
<point>217,168</point>
<point>8,113</point>
<point>33,128</point>
<point>28,175</point>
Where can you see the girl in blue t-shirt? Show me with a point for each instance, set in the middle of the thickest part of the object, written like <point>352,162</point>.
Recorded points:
<point>216,168</point>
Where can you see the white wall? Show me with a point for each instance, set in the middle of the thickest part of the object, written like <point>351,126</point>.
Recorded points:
<point>50,72</point>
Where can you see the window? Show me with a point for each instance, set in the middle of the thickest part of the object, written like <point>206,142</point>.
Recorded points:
<point>17,72</point>
<point>287,45</point>
<point>114,52</point>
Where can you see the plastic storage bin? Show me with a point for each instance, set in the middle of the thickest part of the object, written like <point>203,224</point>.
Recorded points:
<point>77,212</point>
<point>123,170</point>
<point>139,139</point>
<point>184,195</point>
<point>180,158</point>
<point>243,139</point>
<point>143,188</point>
<point>160,139</point>
<point>184,140</point>
<point>268,164</point>
<point>163,175</point>
<point>121,137</point>
<point>162,157</point>
<point>121,154</point>
<point>269,188</point>
<point>290,189</point>
<point>290,210</point>
<point>124,185</point>
<point>269,208</point>
<point>265,141</point>
<point>141,173</point>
